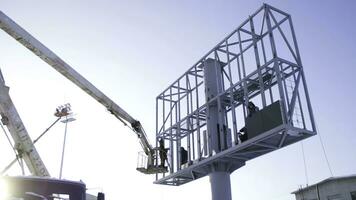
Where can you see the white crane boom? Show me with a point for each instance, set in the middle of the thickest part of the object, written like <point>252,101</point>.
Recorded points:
<point>23,143</point>
<point>26,39</point>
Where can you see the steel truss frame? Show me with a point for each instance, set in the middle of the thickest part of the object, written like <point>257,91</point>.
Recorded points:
<point>253,70</point>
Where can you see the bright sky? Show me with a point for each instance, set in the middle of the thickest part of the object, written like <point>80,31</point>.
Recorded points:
<point>132,50</point>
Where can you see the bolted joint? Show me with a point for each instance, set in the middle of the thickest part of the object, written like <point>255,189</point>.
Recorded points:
<point>19,150</point>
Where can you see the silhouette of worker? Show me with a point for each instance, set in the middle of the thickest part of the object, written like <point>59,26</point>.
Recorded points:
<point>101,196</point>
<point>252,108</point>
<point>162,152</point>
<point>243,134</point>
<point>183,156</point>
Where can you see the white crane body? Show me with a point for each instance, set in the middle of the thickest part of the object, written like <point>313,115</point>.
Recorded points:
<point>27,40</point>
<point>23,143</point>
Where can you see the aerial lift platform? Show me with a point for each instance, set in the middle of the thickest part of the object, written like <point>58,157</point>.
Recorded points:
<point>27,40</point>
<point>201,115</point>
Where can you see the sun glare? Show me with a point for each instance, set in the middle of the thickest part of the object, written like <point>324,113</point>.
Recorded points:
<point>3,189</point>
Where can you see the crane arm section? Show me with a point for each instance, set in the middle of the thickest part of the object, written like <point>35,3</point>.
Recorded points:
<point>23,143</point>
<point>27,40</point>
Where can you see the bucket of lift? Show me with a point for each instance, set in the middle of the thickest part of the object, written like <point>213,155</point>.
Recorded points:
<point>149,164</point>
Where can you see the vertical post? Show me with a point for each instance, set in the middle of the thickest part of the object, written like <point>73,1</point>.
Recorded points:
<point>220,186</point>
<point>171,131</point>
<point>178,119</point>
<point>188,118</point>
<point>257,57</point>
<point>311,115</point>
<point>219,176</point>
<point>192,120</point>
<point>157,134</point>
<point>276,62</point>
<point>242,85</point>
<point>231,96</point>
<point>208,135</point>
<point>64,146</point>
<point>197,111</point>
<point>244,82</point>
<point>216,116</point>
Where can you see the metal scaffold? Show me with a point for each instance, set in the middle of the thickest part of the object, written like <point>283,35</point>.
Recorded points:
<point>246,97</point>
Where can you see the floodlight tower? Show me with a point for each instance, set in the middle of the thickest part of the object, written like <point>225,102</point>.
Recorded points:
<point>202,115</point>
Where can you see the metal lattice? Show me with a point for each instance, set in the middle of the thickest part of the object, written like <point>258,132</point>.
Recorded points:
<point>260,62</point>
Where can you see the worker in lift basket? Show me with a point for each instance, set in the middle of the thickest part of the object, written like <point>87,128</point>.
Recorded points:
<point>162,152</point>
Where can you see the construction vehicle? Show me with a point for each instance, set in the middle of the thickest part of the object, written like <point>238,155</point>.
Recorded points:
<point>27,40</point>
<point>40,185</point>
<point>24,147</point>
<point>275,126</point>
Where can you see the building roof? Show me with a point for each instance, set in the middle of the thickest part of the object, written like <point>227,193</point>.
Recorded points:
<point>324,181</point>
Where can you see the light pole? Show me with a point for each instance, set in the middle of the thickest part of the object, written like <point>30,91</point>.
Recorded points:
<point>64,111</point>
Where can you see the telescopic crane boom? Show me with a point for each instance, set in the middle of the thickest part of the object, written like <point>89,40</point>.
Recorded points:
<point>27,40</point>
<point>23,143</point>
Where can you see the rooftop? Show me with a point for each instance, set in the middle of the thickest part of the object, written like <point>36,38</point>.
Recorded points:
<point>324,181</point>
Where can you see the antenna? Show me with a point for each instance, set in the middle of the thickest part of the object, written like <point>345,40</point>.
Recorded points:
<point>246,97</point>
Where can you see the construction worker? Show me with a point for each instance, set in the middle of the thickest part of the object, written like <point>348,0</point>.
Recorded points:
<point>162,152</point>
<point>252,108</point>
<point>183,156</point>
<point>243,134</point>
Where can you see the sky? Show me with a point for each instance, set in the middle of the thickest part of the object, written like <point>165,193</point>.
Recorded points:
<point>132,50</point>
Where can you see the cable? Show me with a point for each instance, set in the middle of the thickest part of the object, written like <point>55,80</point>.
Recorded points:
<point>8,138</point>
<point>305,164</point>
<point>18,156</point>
<point>8,166</point>
<point>325,155</point>
<point>324,151</point>
<point>12,146</point>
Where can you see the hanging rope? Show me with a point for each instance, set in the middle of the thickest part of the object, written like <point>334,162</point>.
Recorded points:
<point>7,136</point>
<point>325,156</point>
<point>324,151</point>
<point>12,147</point>
<point>17,155</point>
<point>305,164</point>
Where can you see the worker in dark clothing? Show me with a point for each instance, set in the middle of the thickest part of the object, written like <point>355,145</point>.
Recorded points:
<point>162,152</point>
<point>243,134</point>
<point>101,196</point>
<point>183,156</point>
<point>252,108</point>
